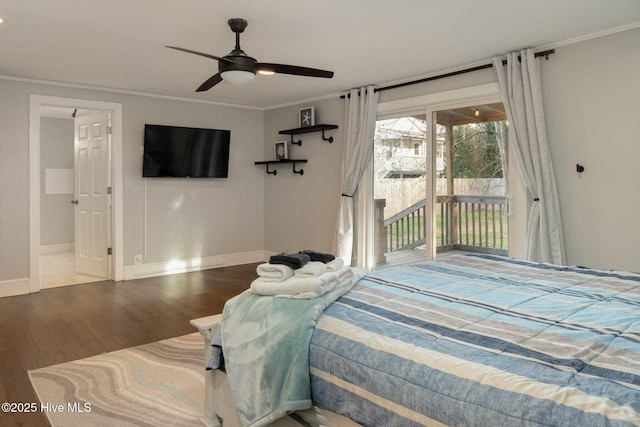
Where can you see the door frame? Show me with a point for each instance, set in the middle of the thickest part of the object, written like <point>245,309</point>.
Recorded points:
<point>35,102</point>
<point>474,95</point>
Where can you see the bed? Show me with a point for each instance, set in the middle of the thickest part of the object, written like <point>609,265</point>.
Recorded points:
<point>472,340</point>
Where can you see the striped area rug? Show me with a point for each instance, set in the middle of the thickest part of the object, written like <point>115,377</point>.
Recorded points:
<point>157,384</point>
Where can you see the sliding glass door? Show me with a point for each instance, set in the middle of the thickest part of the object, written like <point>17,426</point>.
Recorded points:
<point>440,180</point>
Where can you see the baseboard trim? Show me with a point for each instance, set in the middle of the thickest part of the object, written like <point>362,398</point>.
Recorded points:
<point>155,269</point>
<point>9,288</point>
<point>57,248</point>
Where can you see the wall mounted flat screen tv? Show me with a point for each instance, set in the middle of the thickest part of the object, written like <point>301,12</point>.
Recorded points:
<point>183,152</point>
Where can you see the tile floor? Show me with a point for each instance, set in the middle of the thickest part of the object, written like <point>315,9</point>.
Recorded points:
<point>57,268</point>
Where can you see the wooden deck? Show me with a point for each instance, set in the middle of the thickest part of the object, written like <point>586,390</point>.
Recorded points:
<point>464,222</point>
<point>396,258</point>
<point>411,256</point>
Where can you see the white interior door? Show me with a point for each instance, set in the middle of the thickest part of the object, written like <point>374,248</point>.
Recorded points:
<point>92,195</point>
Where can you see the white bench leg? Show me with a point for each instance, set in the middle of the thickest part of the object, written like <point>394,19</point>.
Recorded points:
<point>219,408</point>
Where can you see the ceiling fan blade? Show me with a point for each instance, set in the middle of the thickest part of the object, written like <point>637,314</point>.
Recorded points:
<point>293,69</point>
<point>211,82</point>
<point>206,55</point>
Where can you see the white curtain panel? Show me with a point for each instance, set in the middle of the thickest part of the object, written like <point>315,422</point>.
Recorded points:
<point>501,138</point>
<point>361,106</point>
<point>520,86</point>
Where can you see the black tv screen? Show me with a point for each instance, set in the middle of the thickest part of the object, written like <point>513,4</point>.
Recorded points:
<point>182,152</point>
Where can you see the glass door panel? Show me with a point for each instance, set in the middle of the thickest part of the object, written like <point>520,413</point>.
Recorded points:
<point>471,189</point>
<point>400,170</point>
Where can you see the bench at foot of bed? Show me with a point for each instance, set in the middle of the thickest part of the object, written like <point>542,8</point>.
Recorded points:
<point>219,408</point>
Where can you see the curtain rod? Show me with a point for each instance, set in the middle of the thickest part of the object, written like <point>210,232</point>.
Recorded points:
<point>544,53</point>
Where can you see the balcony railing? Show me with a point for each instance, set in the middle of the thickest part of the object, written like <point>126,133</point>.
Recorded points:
<point>472,223</point>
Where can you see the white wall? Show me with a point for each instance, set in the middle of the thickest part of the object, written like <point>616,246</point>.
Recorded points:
<point>56,152</point>
<point>300,211</point>
<point>14,182</point>
<point>192,218</point>
<point>591,93</point>
<point>186,218</point>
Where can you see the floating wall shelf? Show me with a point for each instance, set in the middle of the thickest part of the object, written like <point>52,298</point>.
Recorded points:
<point>309,129</point>
<point>277,162</point>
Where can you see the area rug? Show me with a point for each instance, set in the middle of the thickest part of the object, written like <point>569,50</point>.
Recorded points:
<point>157,384</point>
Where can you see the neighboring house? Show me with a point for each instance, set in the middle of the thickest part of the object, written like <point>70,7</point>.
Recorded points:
<point>590,92</point>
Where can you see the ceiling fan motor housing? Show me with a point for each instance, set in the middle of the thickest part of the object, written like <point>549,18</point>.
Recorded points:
<point>241,62</point>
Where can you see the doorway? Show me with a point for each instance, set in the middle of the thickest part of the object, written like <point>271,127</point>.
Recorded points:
<point>73,154</point>
<point>472,210</point>
<point>65,106</point>
<point>431,219</point>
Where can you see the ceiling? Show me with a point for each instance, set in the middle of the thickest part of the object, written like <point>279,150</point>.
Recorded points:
<point>119,44</point>
<point>475,114</point>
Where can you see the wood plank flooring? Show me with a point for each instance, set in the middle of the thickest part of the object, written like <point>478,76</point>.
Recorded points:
<point>63,324</point>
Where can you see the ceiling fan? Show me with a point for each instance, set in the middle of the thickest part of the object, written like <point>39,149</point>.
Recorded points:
<point>238,68</point>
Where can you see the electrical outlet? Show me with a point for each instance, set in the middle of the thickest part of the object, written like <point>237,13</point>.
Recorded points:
<point>137,259</point>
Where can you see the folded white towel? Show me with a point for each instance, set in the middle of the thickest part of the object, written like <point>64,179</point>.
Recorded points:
<point>313,293</point>
<point>293,285</point>
<point>311,269</point>
<point>297,287</point>
<point>344,273</point>
<point>274,272</point>
<point>335,264</point>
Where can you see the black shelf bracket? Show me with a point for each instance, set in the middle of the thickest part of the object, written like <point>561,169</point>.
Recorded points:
<point>273,172</point>
<point>298,142</point>
<point>309,129</point>
<point>301,171</point>
<point>330,139</point>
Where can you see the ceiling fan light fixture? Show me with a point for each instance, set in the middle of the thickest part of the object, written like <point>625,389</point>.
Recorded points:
<point>237,77</point>
<point>238,68</point>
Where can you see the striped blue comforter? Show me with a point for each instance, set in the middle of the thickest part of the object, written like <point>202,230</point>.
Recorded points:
<point>479,340</point>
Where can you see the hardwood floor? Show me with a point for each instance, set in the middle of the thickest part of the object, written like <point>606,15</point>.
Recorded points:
<point>63,324</point>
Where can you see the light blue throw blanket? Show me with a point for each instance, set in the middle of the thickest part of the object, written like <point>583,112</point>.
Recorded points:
<point>265,342</point>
